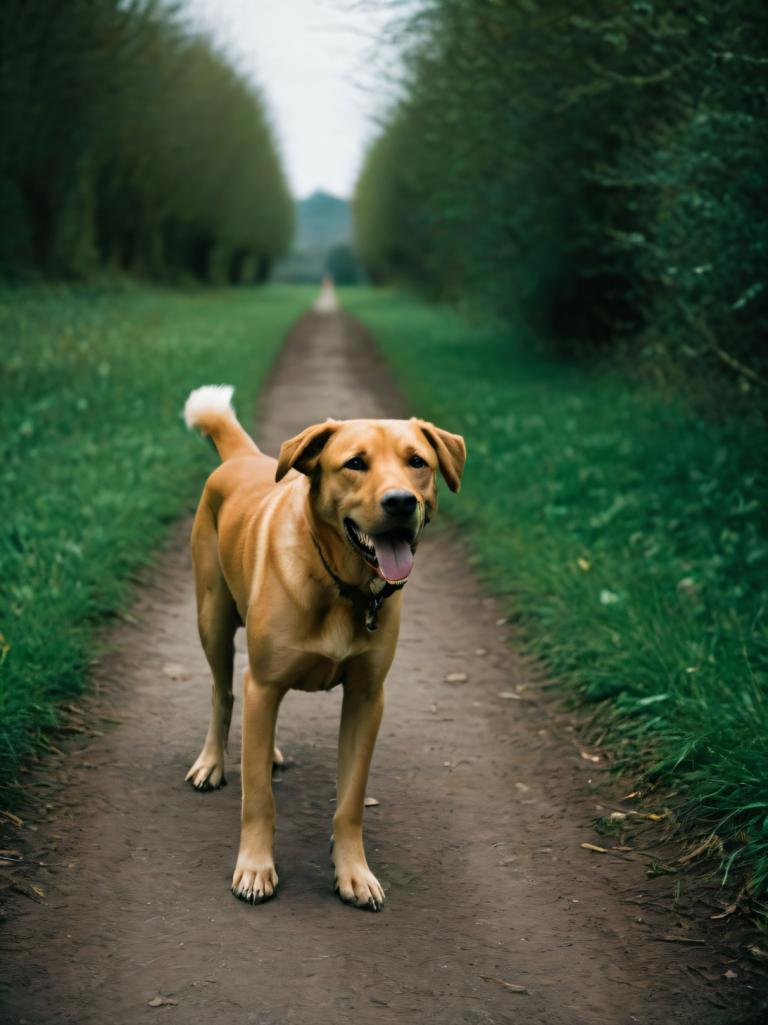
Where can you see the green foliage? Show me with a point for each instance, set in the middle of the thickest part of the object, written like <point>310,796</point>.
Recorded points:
<point>95,461</point>
<point>342,264</point>
<point>602,169</point>
<point>629,537</point>
<point>323,224</point>
<point>131,144</point>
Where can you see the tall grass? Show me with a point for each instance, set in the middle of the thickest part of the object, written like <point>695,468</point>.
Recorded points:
<point>629,536</point>
<point>95,461</point>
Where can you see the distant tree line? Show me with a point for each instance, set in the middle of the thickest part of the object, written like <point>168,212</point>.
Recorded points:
<point>129,143</point>
<point>603,167</point>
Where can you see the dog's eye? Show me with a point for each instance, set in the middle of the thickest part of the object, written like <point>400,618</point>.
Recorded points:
<point>355,463</point>
<point>417,462</point>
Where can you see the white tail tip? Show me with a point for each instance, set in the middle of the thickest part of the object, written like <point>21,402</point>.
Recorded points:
<point>211,398</point>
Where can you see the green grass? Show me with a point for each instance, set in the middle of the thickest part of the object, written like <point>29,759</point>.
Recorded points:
<point>627,534</point>
<point>95,461</point>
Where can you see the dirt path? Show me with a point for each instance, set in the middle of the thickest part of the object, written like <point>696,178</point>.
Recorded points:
<point>484,802</point>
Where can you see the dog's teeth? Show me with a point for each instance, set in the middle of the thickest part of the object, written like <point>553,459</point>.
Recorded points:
<point>364,540</point>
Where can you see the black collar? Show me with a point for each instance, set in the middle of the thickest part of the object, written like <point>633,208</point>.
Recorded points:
<point>370,605</point>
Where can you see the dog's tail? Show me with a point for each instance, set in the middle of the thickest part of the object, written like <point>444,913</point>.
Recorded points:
<point>209,409</point>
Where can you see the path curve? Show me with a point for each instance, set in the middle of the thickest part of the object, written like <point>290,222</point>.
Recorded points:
<point>483,806</point>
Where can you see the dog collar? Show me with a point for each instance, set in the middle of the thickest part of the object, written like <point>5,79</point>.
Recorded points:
<point>369,606</point>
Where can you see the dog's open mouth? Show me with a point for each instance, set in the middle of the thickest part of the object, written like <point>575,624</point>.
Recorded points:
<point>389,553</point>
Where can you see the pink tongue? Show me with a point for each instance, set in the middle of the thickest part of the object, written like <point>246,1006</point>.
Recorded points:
<point>395,557</point>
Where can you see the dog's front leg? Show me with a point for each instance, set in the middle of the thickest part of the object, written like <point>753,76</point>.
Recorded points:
<point>360,718</point>
<point>255,878</point>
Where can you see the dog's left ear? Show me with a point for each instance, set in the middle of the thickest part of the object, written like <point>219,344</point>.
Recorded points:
<point>302,452</point>
<point>451,451</point>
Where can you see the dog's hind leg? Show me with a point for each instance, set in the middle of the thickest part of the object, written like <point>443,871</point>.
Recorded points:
<point>217,620</point>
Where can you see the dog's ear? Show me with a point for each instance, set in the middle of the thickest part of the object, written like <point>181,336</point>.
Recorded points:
<point>451,451</point>
<point>302,452</point>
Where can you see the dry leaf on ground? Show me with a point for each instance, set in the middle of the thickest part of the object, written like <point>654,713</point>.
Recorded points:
<point>758,952</point>
<point>28,890</point>
<point>728,911</point>
<point>513,987</point>
<point>161,1001</point>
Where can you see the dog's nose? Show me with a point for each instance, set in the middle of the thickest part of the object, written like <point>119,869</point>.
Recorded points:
<point>399,502</point>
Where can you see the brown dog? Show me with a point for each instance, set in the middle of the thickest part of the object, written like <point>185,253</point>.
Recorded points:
<point>309,553</point>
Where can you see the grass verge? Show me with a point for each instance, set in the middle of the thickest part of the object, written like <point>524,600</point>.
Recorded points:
<point>95,461</point>
<point>628,535</point>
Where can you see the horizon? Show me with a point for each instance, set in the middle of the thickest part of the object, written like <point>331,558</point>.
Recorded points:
<point>316,63</point>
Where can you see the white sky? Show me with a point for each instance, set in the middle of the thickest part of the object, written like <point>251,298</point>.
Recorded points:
<point>316,63</point>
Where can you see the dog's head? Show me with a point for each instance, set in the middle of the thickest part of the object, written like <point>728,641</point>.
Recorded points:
<point>375,483</point>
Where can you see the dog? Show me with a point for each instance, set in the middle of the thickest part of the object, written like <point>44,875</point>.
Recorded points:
<point>310,553</point>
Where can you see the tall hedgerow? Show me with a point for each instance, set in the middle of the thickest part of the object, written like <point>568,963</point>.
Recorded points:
<point>130,143</point>
<point>602,167</point>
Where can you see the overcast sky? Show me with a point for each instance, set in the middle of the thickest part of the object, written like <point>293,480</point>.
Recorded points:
<point>316,61</point>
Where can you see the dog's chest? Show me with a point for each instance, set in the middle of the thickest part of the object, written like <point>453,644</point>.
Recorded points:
<point>337,636</point>
<point>326,651</point>
<point>320,674</point>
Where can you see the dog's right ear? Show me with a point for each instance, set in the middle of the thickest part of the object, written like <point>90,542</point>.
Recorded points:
<point>302,452</point>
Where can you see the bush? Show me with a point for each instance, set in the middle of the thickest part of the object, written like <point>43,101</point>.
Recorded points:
<point>604,172</point>
<point>342,264</point>
<point>133,145</point>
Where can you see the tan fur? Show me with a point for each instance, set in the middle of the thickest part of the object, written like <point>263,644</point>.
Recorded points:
<point>256,564</point>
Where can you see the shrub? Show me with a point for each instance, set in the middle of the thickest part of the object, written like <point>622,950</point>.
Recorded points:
<point>604,172</point>
<point>133,145</point>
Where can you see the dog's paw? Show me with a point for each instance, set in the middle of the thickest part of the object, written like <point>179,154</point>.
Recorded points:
<point>278,758</point>
<point>358,886</point>
<point>207,773</point>
<point>253,884</point>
